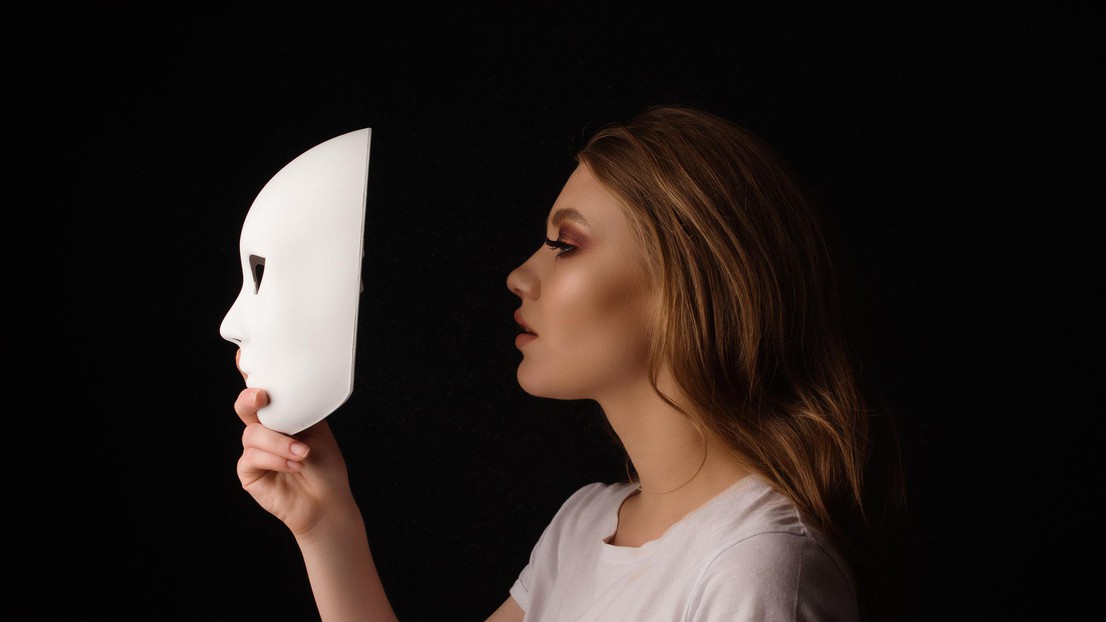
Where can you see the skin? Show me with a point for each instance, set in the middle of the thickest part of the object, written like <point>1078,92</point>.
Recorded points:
<point>313,499</point>
<point>592,305</point>
<point>593,309</point>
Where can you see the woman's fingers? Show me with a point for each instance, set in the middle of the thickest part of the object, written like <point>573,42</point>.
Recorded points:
<point>255,463</point>
<point>266,450</point>
<point>248,403</point>
<point>257,437</point>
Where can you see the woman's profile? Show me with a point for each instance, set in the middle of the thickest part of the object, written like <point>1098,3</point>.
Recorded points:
<point>687,287</point>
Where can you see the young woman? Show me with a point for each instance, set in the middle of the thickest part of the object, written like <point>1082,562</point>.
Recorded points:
<point>685,285</point>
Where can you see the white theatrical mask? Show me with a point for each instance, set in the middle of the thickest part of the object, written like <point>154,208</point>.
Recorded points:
<point>295,320</point>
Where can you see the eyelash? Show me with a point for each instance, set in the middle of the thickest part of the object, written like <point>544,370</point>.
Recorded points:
<point>564,247</point>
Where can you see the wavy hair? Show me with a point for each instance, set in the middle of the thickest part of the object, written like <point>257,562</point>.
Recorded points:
<point>752,326</point>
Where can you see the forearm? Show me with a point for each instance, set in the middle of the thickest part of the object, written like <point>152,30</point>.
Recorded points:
<point>342,572</point>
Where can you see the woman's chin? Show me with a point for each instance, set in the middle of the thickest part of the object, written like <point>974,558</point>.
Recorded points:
<point>531,382</point>
<point>542,387</point>
<point>528,385</point>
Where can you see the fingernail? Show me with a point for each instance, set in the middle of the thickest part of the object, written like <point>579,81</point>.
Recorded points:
<point>256,397</point>
<point>299,449</point>
<point>294,465</point>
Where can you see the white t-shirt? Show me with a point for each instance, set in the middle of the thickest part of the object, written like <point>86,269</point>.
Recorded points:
<point>744,555</point>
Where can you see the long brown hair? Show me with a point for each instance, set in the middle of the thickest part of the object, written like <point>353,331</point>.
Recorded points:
<point>752,326</point>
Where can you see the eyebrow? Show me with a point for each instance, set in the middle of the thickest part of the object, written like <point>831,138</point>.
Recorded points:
<point>566,213</point>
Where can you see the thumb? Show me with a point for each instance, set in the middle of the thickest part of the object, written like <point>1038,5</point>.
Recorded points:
<point>248,403</point>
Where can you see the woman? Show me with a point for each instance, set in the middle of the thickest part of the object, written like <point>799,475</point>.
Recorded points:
<point>686,287</point>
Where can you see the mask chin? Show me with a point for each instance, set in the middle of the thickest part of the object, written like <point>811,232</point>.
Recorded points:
<point>295,318</point>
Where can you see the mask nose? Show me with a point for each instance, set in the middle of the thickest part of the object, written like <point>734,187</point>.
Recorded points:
<point>233,327</point>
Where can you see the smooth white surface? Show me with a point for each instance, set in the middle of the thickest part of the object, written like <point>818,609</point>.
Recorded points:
<point>297,327</point>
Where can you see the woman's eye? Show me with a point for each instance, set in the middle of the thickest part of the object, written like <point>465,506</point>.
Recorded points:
<point>563,247</point>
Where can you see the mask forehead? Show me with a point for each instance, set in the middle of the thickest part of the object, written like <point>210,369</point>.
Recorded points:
<point>301,246</point>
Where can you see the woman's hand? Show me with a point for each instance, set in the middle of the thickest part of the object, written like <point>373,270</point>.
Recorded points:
<point>299,479</point>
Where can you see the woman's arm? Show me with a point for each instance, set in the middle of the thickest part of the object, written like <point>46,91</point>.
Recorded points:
<point>302,480</point>
<point>341,570</point>
<point>509,611</point>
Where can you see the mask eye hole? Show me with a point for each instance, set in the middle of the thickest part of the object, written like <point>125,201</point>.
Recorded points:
<point>257,269</point>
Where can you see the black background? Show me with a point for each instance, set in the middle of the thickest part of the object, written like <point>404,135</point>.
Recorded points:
<point>954,150</point>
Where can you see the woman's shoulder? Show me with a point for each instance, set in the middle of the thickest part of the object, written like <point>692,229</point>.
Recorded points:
<point>752,507</point>
<point>762,542</point>
<point>756,529</point>
<point>778,572</point>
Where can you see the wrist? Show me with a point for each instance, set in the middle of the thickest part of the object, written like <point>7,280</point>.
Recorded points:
<point>341,524</point>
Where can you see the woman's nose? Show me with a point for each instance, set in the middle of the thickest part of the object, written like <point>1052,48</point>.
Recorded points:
<point>523,281</point>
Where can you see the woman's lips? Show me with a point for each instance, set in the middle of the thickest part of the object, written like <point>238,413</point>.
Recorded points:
<point>523,325</point>
<point>527,335</point>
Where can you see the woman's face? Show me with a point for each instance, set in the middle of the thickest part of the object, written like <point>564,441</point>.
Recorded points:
<point>586,301</point>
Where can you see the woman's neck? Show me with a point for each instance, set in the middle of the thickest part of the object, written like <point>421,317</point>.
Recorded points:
<point>678,467</point>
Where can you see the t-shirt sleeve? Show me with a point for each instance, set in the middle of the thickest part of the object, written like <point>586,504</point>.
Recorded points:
<point>545,556</point>
<point>774,577</point>
<point>520,591</point>
<point>539,554</point>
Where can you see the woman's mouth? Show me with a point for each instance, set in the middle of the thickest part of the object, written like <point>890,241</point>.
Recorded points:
<point>526,334</point>
<point>523,326</point>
